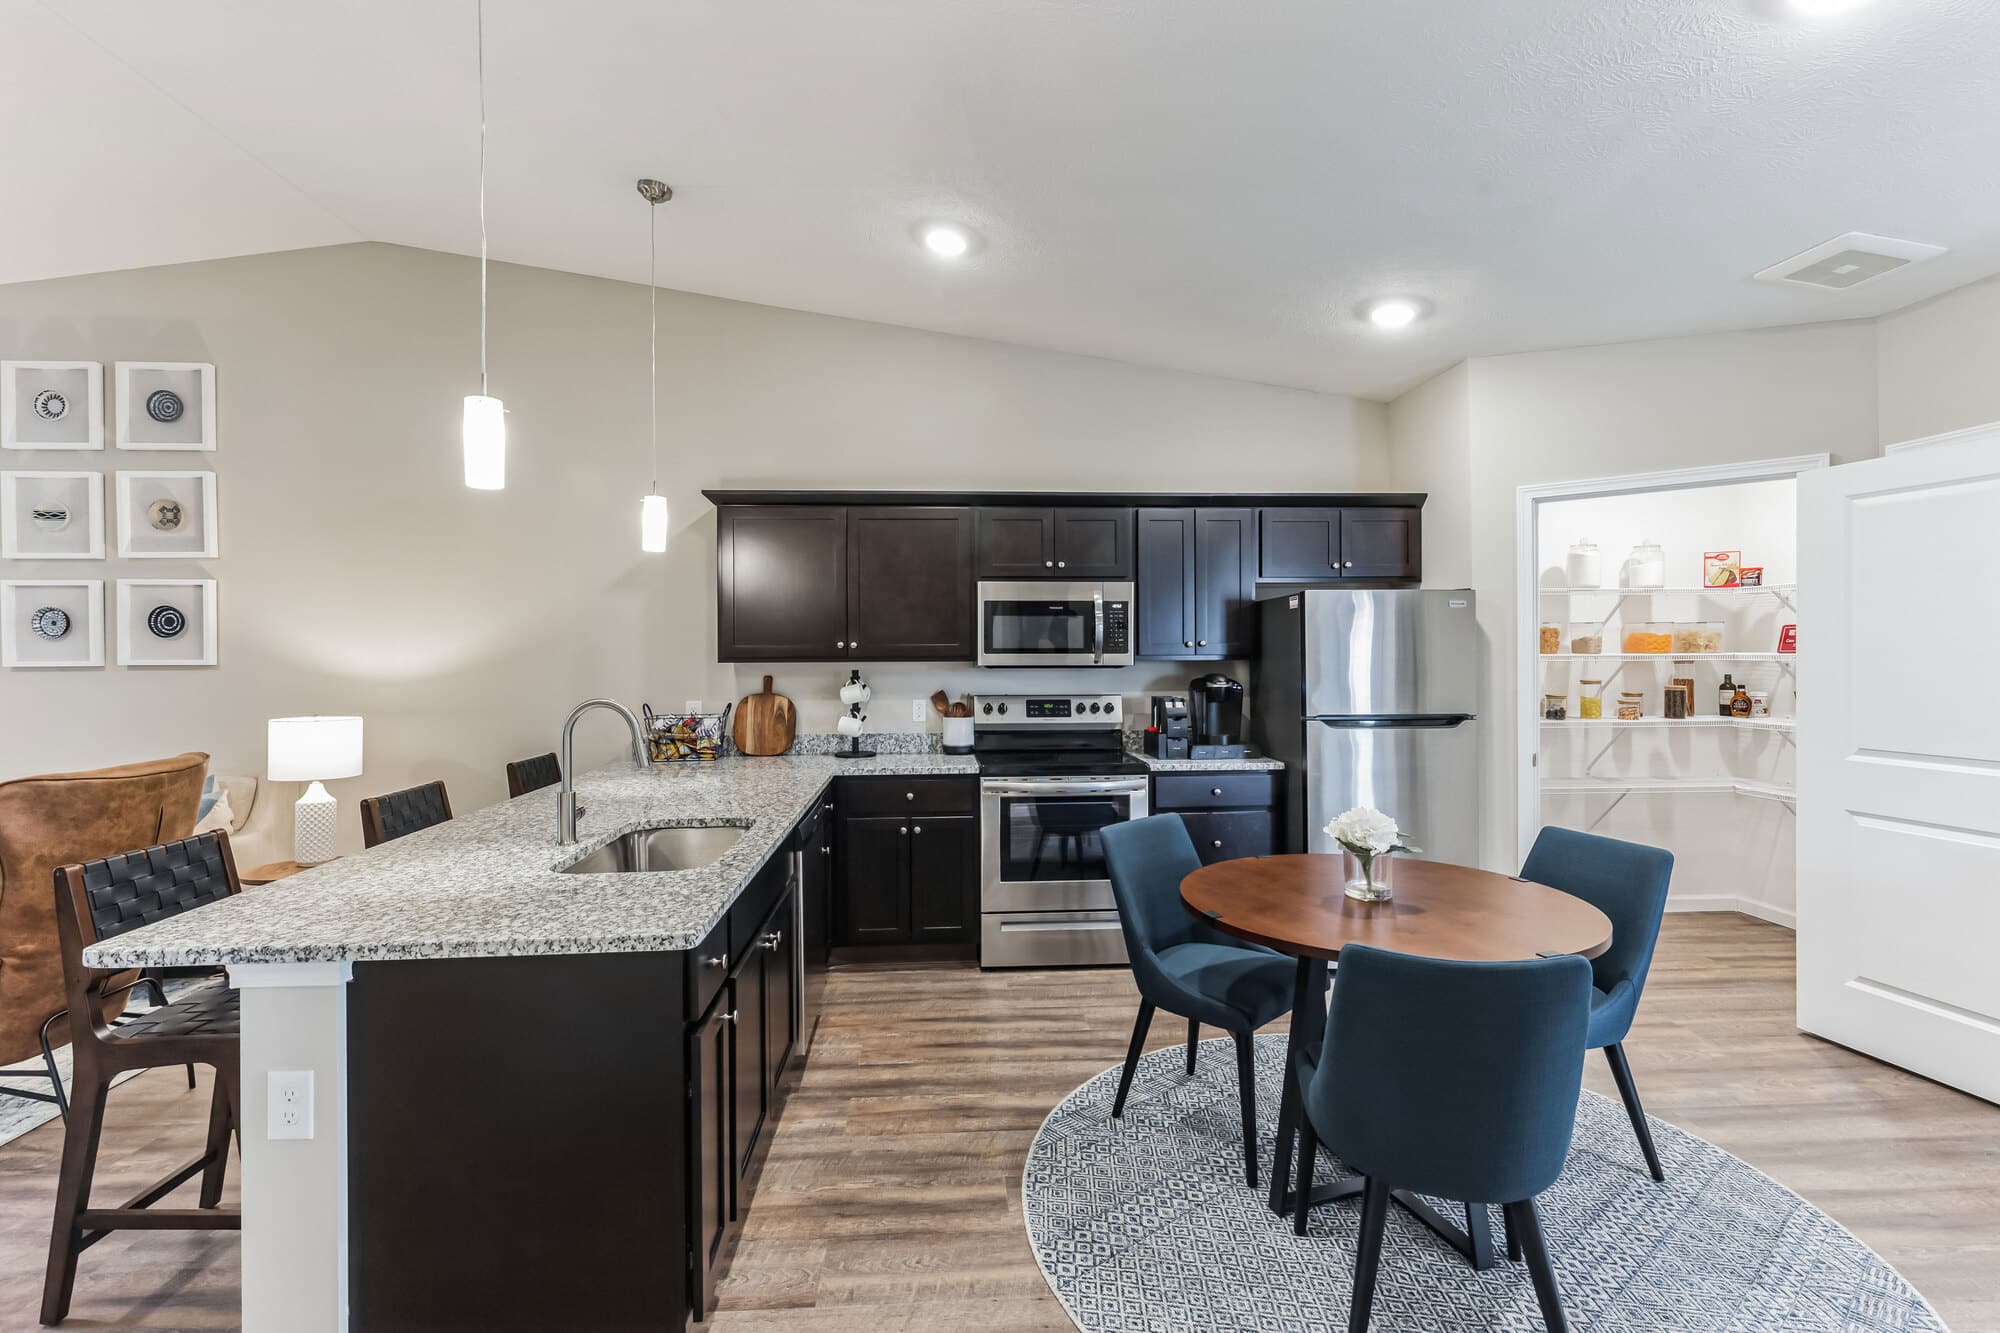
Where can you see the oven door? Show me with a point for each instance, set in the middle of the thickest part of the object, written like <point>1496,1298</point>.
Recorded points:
<point>1039,849</point>
<point>1041,624</point>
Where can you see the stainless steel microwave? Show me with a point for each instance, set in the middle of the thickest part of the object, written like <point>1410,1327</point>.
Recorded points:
<point>1055,624</point>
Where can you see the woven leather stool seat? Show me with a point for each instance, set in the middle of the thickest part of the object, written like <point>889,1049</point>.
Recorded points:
<point>401,813</point>
<point>209,1010</point>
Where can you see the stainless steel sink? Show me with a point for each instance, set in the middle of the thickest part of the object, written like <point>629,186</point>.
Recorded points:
<point>659,849</point>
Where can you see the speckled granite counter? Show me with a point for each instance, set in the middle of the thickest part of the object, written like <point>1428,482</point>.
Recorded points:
<point>1254,764</point>
<point>486,885</point>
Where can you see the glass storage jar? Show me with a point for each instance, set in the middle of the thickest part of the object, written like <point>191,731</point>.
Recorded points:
<point>1552,638</point>
<point>1630,705</point>
<point>1590,698</point>
<point>1585,567</point>
<point>1648,636</point>
<point>1646,567</point>
<point>1586,639</point>
<point>1698,636</point>
<point>1555,707</point>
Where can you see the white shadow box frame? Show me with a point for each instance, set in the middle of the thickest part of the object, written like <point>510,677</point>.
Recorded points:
<point>23,601</point>
<point>24,410</point>
<point>191,382</point>
<point>24,495</point>
<point>190,496</point>
<point>140,644</point>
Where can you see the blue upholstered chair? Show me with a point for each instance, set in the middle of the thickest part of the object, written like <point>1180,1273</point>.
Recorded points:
<point>1458,1080</point>
<point>1186,967</point>
<point>1628,883</point>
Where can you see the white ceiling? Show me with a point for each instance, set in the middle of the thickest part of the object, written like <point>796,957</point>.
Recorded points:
<point>1190,183</point>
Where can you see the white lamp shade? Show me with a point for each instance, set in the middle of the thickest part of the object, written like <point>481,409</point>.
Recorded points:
<point>653,523</point>
<point>310,749</point>
<point>485,443</point>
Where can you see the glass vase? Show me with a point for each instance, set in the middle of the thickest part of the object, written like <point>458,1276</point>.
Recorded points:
<point>1370,881</point>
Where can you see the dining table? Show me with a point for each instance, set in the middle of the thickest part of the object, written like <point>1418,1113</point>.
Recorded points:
<point>1298,906</point>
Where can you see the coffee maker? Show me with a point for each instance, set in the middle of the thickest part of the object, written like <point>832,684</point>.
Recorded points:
<point>1167,738</point>
<point>1216,703</point>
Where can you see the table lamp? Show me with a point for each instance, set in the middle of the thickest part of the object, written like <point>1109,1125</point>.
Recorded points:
<point>310,750</point>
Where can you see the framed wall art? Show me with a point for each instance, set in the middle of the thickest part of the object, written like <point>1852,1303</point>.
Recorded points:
<point>166,405</point>
<point>167,516</point>
<point>52,515</point>
<point>166,622</point>
<point>51,623</point>
<point>51,405</point>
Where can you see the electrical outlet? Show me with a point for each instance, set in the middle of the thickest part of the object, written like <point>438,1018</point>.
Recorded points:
<point>916,710</point>
<point>693,706</point>
<point>288,1104</point>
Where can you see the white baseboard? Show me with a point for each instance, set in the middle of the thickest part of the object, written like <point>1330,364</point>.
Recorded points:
<point>1724,902</point>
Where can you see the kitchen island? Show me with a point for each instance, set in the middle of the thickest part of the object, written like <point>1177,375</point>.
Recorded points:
<point>521,1078</point>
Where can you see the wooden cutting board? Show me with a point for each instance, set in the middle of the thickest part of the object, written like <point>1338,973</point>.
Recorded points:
<point>765,723</point>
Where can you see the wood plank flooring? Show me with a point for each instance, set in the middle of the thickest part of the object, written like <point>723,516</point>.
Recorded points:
<point>889,1202</point>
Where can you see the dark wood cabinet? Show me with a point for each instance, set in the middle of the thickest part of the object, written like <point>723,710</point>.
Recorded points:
<point>780,983</point>
<point>1197,582</point>
<point>874,886</point>
<point>781,583</point>
<point>1228,813</point>
<point>944,876</point>
<point>711,1179</point>
<point>1299,545</point>
<point>910,584</point>
<point>1055,543</point>
<point>1381,544</point>
<point>748,1101</point>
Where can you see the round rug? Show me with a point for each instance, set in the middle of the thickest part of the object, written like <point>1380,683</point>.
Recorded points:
<point>1145,1223</point>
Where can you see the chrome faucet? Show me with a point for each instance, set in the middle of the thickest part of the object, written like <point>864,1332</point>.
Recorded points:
<point>566,806</point>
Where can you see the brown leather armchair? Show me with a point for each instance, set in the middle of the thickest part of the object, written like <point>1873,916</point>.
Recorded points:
<point>61,819</point>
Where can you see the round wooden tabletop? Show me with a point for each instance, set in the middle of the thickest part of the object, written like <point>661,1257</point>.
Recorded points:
<point>1296,905</point>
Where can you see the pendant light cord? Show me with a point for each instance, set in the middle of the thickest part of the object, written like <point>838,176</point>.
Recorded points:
<point>479,21</point>
<point>653,316</point>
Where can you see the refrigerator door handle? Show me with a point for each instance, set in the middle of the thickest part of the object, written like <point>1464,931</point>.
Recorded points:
<point>1434,722</point>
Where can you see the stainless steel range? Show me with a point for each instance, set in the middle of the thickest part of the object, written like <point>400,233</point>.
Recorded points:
<point>1052,772</point>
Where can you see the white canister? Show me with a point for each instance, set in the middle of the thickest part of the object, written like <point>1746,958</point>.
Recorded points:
<point>957,735</point>
<point>1646,567</point>
<point>856,692</point>
<point>849,726</point>
<point>1585,567</point>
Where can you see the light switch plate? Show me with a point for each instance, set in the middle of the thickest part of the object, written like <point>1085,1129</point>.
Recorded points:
<point>288,1104</point>
<point>693,706</point>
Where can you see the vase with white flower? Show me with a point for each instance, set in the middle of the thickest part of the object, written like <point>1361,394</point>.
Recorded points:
<point>1369,839</point>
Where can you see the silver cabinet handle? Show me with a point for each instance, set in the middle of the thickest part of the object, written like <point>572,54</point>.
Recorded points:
<point>1187,643</point>
<point>1062,564</point>
<point>1216,843</point>
<point>827,806</point>
<point>1202,642</point>
<point>1215,791</point>
<point>853,644</point>
<point>729,1017</point>
<point>841,644</point>
<point>720,960</point>
<point>917,828</point>
<point>1348,565</point>
<point>905,829</point>
<point>909,796</point>
<point>771,939</point>
<point>1048,564</point>
<point>825,850</point>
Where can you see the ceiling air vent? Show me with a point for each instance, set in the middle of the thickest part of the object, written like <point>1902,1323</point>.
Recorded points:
<point>1848,261</point>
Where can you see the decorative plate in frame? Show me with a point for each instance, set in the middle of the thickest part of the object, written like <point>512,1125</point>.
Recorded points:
<point>52,515</point>
<point>166,622</point>
<point>51,405</point>
<point>167,516</point>
<point>165,405</point>
<point>51,623</point>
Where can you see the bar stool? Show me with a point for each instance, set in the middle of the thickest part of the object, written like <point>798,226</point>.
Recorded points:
<point>526,775</point>
<point>402,813</point>
<point>97,901</point>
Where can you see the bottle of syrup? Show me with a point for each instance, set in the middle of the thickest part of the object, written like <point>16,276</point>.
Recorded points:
<point>1739,703</point>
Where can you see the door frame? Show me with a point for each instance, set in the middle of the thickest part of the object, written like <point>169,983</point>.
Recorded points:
<point>1527,601</point>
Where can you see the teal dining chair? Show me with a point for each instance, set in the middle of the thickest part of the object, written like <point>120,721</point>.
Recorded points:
<point>1627,881</point>
<point>1186,967</point>
<point>1454,1080</point>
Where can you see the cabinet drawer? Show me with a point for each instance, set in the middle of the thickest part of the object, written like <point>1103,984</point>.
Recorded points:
<point>1212,791</point>
<point>1224,835</point>
<point>904,796</point>
<point>707,968</point>
<point>749,912</point>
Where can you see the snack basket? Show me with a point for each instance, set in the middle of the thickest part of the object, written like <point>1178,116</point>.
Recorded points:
<point>679,737</point>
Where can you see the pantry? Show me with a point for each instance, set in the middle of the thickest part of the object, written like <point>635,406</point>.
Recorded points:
<point>1659,672</point>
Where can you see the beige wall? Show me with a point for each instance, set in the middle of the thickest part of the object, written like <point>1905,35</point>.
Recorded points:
<point>1610,411</point>
<point>1939,364</point>
<point>358,575</point>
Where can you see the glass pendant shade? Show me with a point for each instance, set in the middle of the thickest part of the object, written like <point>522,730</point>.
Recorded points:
<point>653,523</point>
<point>485,443</point>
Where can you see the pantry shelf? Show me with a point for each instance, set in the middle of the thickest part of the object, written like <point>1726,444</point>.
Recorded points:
<point>1746,723</point>
<point>1668,657</point>
<point>1768,791</point>
<point>1777,589</point>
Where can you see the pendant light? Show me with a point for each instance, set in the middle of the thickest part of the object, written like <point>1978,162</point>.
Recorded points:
<point>485,425</point>
<point>653,505</point>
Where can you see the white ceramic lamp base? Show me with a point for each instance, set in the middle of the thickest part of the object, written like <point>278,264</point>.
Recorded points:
<point>313,821</point>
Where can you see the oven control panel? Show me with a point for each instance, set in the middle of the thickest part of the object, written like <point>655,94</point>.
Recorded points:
<point>1046,710</point>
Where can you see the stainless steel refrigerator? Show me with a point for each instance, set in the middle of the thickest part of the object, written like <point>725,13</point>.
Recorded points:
<point>1371,698</point>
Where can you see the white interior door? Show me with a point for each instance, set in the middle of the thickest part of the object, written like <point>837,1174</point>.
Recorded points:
<point>1899,760</point>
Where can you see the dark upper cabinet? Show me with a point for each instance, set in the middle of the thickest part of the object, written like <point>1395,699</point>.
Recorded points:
<point>780,582</point>
<point>1300,545</point>
<point>944,874</point>
<point>910,584</point>
<point>1038,543</point>
<point>1197,583</point>
<point>874,891</point>
<point>1017,543</point>
<point>1381,543</point>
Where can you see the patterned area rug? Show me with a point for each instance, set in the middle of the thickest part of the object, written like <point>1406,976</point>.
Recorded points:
<point>1147,1225</point>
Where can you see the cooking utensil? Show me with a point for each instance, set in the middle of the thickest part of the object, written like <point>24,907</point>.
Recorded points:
<point>942,702</point>
<point>766,723</point>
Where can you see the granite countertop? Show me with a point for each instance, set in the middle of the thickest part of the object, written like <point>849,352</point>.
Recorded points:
<point>485,884</point>
<point>1255,763</point>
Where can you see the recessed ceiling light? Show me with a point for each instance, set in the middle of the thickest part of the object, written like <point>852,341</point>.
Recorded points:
<point>1390,313</point>
<point>946,241</point>
<point>1820,9</point>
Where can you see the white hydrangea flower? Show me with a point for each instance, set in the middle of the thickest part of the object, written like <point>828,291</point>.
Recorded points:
<point>1362,830</point>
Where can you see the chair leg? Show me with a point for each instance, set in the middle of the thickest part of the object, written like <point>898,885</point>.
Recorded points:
<point>1302,1187</point>
<point>1528,1227</point>
<point>190,1069</point>
<point>1368,1257</point>
<point>1621,1072</point>
<point>1132,1056</point>
<point>79,1164</point>
<point>1194,1035</point>
<point>1513,1240</point>
<point>1246,1093</point>
<point>220,1122</point>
